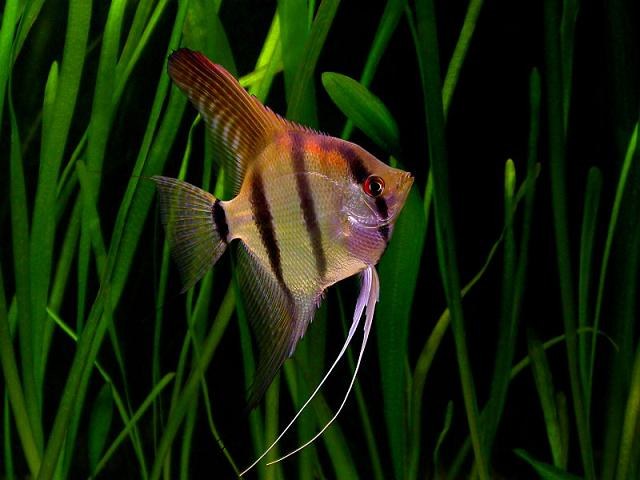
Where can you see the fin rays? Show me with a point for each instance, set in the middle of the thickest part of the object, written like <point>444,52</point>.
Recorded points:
<point>278,319</point>
<point>186,214</point>
<point>239,124</point>
<point>368,298</point>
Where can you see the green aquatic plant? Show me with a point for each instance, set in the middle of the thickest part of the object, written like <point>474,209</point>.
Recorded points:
<point>88,114</point>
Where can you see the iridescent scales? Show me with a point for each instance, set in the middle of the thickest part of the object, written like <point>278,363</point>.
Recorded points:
<point>309,210</point>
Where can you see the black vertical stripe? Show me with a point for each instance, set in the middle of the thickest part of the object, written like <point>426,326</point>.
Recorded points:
<point>220,220</point>
<point>383,210</point>
<point>307,204</point>
<point>359,172</point>
<point>264,222</point>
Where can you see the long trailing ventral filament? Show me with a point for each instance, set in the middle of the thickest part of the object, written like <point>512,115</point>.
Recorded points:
<point>368,297</point>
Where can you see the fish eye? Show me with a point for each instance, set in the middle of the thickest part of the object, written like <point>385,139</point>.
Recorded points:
<point>373,186</point>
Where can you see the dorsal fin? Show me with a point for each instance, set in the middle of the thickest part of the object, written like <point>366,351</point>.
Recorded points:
<point>239,124</point>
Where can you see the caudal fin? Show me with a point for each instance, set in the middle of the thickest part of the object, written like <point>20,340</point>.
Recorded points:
<point>195,226</point>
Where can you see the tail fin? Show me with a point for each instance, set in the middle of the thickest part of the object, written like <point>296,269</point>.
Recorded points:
<point>195,226</point>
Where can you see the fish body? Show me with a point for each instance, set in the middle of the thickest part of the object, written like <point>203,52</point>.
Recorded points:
<point>309,210</point>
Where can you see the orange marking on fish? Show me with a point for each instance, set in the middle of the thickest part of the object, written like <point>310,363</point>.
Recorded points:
<point>308,210</point>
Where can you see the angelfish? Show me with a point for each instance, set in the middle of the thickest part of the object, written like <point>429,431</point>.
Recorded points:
<point>309,210</point>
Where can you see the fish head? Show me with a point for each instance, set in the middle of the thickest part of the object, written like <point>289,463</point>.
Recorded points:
<point>376,197</point>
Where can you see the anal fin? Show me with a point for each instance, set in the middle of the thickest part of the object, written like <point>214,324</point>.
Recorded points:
<point>278,319</point>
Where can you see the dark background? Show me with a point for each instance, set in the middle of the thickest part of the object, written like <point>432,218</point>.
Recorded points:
<point>487,124</point>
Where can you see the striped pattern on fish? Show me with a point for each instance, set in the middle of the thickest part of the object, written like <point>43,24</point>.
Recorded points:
<point>309,210</point>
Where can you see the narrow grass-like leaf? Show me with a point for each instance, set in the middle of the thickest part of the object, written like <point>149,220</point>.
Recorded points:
<point>13,389</point>
<point>191,386</point>
<point>97,136</point>
<point>429,64</point>
<point>294,31</point>
<point>399,270</point>
<point>7,440</point>
<point>630,155</point>
<point>92,230</point>
<point>526,361</point>
<point>335,442</point>
<point>197,322</point>
<point>626,462</point>
<point>492,412</point>
<point>271,428</point>
<point>187,439</point>
<point>559,198</point>
<point>365,417</point>
<point>126,64</point>
<point>423,365</point>
<point>303,85</point>
<point>88,345</point>
<point>621,287</point>
<point>364,109</point>
<point>10,17</point>
<point>567,40</point>
<point>160,297</point>
<point>387,26</point>
<point>589,222</point>
<point>448,416</point>
<point>157,389</point>
<point>302,375</point>
<point>544,386</point>
<point>333,438</point>
<point>101,112</point>
<point>99,425</point>
<point>54,140</point>
<point>30,13</point>
<point>460,52</point>
<point>268,61</point>
<point>21,256</point>
<point>138,25</point>
<point>204,31</point>
<point>256,425</point>
<point>546,471</point>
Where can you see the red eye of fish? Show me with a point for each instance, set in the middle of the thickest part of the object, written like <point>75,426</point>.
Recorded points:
<point>373,186</point>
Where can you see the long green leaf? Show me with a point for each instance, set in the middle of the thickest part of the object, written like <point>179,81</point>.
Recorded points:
<point>303,85</point>
<point>99,425</point>
<point>157,389</point>
<point>460,52</point>
<point>557,104</point>
<point>546,471</point>
<point>629,435</point>
<point>10,17</point>
<point>91,339</point>
<point>364,109</point>
<point>191,387</point>
<point>294,35</point>
<point>387,26</point>
<point>20,237</point>
<point>631,154</point>
<point>13,388</point>
<point>7,439</point>
<point>589,223</point>
<point>399,269</point>
<point>31,11</point>
<point>54,141</point>
<point>492,412</point>
<point>429,63</point>
<point>544,386</point>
